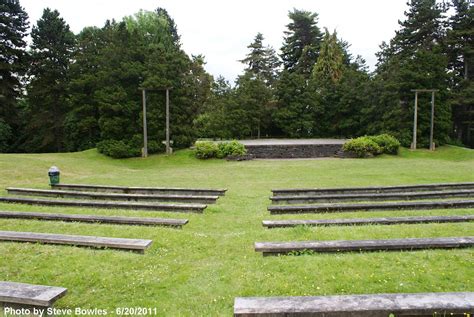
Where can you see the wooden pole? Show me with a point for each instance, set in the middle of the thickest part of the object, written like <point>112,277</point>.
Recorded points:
<point>415,119</point>
<point>145,136</point>
<point>168,149</point>
<point>432,121</point>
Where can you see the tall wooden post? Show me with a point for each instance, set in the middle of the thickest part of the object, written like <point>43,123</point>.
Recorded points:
<point>168,148</point>
<point>432,120</point>
<point>415,121</point>
<point>145,133</point>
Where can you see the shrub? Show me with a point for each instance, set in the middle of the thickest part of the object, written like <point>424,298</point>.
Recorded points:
<point>206,150</point>
<point>362,147</point>
<point>230,148</point>
<point>117,149</point>
<point>387,143</point>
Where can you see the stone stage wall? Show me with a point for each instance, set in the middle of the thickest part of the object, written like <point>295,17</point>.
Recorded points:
<point>296,149</point>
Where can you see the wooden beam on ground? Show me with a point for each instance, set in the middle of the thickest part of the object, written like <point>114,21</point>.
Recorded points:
<point>373,189</point>
<point>112,196</point>
<point>364,221</point>
<point>21,294</point>
<point>137,245</point>
<point>420,304</point>
<point>322,208</point>
<point>299,199</point>
<point>140,221</point>
<point>142,190</point>
<point>199,208</point>
<point>275,248</point>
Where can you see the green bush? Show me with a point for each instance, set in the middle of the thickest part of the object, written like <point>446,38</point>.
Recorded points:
<point>206,150</point>
<point>362,147</point>
<point>230,148</point>
<point>388,143</point>
<point>117,149</point>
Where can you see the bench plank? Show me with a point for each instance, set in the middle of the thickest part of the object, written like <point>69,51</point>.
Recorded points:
<point>421,304</point>
<point>112,196</point>
<point>142,190</point>
<point>275,248</point>
<point>142,221</point>
<point>365,221</point>
<point>199,208</point>
<point>138,245</point>
<point>372,189</point>
<point>29,294</point>
<point>322,208</point>
<point>300,199</point>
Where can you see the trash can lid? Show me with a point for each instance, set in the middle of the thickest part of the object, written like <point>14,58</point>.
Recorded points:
<point>53,169</point>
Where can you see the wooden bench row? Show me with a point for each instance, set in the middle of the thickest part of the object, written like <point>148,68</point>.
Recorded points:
<point>137,245</point>
<point>276,248</point>
<point>142,190</point>
<point>365,221</point>
<point>373,189</point>
<point>304,199</point>
<point>140,221</point>
<point>323,208</point>
<point>28,295</point>
<point>196,208</point>
<point>112,196</point>
<point>421,304</point>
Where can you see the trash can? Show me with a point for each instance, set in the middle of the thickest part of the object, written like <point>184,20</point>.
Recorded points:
<point>53,174</point>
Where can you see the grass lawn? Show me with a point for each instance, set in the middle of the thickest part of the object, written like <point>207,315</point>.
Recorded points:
<point>200,269</point>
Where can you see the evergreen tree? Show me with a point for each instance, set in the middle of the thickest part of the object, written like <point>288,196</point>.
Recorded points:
<point>460,49</point>
<point>82,121</point>
<point>331,57</point>
<point>262,61</point>
<point>213,120</point>
<point>302,41</point>
<point>13,64</point>
<point>413,60</point>
<point>296,105</point>
<point>51,53</point>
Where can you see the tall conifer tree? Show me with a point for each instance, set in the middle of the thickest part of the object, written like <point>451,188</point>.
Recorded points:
<point>13,64</point>
<point>51,53</point>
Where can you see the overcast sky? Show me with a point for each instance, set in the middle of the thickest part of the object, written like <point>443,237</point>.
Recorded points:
<point>222,29</point>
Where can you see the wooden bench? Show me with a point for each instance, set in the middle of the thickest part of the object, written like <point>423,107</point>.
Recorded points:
<point>140,221</point>
<point>371,206</point>
<point>198,208</point>
<point>364,221</point>
<point>142,190</point>
<point>29,296</point>
<point>137,245</point>
<point>421,304</point>
<point>300,199</point>
<point>276,248</point>
<point>373,189</point>
<point>112,196</point>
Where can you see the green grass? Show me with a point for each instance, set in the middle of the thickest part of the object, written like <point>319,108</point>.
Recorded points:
<point>200,269</point>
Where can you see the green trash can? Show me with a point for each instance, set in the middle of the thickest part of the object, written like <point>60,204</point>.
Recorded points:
<point>53,174</point>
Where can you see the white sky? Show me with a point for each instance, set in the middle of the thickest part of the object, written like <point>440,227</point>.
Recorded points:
<point>222,29</point>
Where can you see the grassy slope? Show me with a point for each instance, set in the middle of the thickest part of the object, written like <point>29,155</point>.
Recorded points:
<point>200,269</point>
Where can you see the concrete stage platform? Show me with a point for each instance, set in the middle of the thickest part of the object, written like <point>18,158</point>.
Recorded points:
<point>293,148</point>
